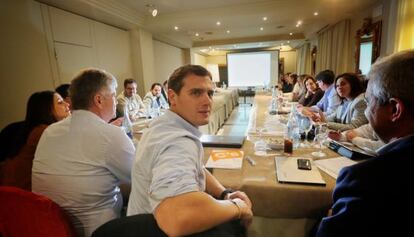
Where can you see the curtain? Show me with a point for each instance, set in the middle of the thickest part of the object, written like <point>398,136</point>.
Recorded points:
<point>334,48</point>
<point>405,26</point>
<point>303,59</point>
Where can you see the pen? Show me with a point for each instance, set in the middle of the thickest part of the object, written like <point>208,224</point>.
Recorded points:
<point>251,161</point>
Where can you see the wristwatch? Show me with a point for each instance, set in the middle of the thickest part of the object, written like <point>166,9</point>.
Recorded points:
<point>225,192</point>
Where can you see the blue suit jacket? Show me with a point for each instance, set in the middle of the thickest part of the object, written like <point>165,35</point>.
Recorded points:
<point>374,197</point>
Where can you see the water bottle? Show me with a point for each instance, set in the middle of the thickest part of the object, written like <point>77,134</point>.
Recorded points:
<point>126,123</point>
<point>293,128</point>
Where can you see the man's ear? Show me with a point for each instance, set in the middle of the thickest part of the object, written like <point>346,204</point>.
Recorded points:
<point>172,97</point>
<point>97,100</point>
<point>397,109</point>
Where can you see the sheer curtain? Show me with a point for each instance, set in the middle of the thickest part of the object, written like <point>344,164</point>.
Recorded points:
<point>334,48</point>
<point>405,26</point>
<point>303,59</point>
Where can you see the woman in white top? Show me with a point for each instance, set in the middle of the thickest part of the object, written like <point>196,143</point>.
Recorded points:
<point>299,88</point>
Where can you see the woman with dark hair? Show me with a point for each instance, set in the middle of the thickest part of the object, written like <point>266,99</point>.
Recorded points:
<point>350,113</point>
<point>43,108</point>
<point>312,92</point>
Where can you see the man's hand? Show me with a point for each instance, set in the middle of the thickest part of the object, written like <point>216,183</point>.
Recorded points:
<point>118,122</point>
<point>241,195</point>
<point>246,214</point>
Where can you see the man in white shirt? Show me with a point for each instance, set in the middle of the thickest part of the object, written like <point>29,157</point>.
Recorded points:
<point>169,179</point>
<point>153,99</point>
<point>81,160</point>
<point>131,100</point>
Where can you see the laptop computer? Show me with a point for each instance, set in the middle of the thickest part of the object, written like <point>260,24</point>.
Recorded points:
<point>222,141</point>
<point>289,170</point>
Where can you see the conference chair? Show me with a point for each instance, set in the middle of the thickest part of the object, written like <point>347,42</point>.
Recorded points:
<point>23,213</point>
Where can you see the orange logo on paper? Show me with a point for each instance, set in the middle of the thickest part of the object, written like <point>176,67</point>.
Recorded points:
<point>226,154</point>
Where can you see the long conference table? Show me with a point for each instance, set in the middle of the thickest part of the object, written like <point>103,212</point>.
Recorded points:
<point>269,197</point>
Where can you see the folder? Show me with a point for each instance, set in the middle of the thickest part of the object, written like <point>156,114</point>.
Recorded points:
<point>287,171</point>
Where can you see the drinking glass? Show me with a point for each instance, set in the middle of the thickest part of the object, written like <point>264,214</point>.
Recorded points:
<point>305,126</point>
<point>320,137</point>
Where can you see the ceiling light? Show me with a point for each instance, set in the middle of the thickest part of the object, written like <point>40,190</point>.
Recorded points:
<point>299,22</point>
<point>288,42</point>
<point>218,23</point>
<point>264,18</point>
<point>175,27</point>
<point>261,28</point>
<point>152,9</point>
<point>228,32</point>
<point>315,13</point>
<point>196,34</point>
<point>290,33</point>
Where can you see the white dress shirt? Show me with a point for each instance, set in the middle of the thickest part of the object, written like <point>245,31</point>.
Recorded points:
<point>79,163</point>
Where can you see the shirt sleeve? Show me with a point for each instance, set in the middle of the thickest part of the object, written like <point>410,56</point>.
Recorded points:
<point>175,171</point>
<point>120,158</point>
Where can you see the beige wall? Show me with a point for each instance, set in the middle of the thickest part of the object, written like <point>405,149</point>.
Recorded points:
<point>24,59</point>
<point>38,52</point>
<point>199,59</point>
<point>220,60</point>
<point>167,58</point>
<point>289,60</point>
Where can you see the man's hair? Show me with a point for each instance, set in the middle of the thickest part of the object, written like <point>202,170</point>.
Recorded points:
<point>129,81</point>
<point>154,85</point>
<point>175,82</point>
<point>393,76</point>
<point>326,76</point>
<point>63,90</point>
<point>354,81</point>
<point>86,84</point>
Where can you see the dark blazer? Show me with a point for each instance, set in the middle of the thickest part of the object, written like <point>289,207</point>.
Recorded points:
<point>374,197</point>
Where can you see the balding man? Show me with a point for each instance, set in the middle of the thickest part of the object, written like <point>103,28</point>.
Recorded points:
<point>373,198</point>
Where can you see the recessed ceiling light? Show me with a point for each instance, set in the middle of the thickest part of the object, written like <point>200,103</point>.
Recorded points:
<point>218,23</point>
<point>228,32</point>
<point>290,33</point>
<point>261,28</point>
<point>297,25</point>
<point>288,42</point>
<point>315,13</point>
<point>196,34</point>
<point>175,27</point>
<point>264,18</point>
<point>299,22</point>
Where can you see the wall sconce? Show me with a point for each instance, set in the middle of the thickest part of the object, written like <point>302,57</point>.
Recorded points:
<point>152,10</point>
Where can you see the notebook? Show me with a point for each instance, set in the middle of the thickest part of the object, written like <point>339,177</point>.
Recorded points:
<point>225,159</point>
<point>287,171</point>
<point>222,141</point>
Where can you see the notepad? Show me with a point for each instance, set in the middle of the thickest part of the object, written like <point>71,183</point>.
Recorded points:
<point>287,171</point>
<point>225,159</point>
<point>332,166</point>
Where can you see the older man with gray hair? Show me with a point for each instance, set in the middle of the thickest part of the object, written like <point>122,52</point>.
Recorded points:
<point>80,161</point>
<point>372,198</point>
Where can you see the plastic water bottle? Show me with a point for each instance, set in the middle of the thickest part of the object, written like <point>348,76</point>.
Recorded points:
<point>293,128</point>
<point>126,123</point>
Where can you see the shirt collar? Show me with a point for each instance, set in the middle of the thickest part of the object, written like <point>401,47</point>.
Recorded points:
<point>183,123</point>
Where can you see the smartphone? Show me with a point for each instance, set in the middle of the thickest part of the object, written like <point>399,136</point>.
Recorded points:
<point>304,164</point>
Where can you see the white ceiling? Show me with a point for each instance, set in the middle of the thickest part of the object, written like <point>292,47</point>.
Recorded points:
<point>243,18</point>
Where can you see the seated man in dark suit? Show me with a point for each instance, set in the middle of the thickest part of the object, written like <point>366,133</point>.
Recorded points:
<point>372,198</point>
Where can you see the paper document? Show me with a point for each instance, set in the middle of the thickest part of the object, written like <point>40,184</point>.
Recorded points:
<point>225,159</point>
<point>332,166</point>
